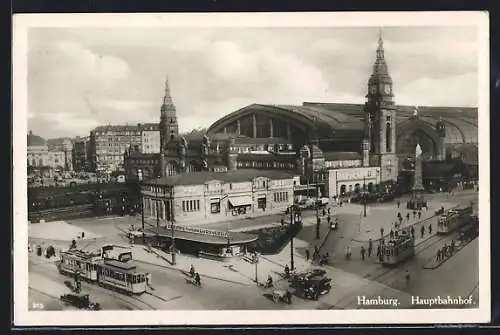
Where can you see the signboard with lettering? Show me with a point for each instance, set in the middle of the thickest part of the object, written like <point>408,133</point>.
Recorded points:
<point>125,257</point>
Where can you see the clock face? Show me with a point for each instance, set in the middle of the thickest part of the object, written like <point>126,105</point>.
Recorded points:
<point>387,89</point>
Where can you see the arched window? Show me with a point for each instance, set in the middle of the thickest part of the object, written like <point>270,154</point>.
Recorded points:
<point>171,169</point>
<point>388,138</point>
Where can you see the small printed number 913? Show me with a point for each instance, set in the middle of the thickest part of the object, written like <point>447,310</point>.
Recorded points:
<point>37,305</point>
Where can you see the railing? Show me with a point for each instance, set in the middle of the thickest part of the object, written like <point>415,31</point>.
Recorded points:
<point>197,230</point>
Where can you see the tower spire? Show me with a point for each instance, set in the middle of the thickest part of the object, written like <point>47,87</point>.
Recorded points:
<point>167,98</point>
<point>168,120</point>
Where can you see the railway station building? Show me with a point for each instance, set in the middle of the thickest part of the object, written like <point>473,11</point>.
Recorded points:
<point>335,148</point>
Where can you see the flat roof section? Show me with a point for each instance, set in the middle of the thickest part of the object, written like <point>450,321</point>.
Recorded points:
<point>234,238</point>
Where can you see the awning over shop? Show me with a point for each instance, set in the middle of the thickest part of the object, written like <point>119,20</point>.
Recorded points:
<point>241,201</point>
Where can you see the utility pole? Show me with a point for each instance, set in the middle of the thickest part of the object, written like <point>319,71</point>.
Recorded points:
<point>291,229</point>
<point>157,209</point>
<point>139,176</point>
<point>364,197</point>
<point>318,220</point>
<point>256,261</point>
<point>142,220</point>
<point>172,228</point>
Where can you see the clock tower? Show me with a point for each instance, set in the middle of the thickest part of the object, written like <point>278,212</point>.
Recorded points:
<point>380,118</point>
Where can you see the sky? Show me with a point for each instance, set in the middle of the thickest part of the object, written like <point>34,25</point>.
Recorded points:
<point>79,78</point>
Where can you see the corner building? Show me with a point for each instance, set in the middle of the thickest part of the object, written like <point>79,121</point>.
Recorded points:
<point>201,197</point>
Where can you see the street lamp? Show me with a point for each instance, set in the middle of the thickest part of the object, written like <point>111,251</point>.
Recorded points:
<point>291,229</point>
<point>318,220</point>
<point>364,196</point>
<point>139,177</point>
<point>172,227</point>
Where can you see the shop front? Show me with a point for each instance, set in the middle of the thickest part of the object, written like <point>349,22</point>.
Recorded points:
<point>241,205</point>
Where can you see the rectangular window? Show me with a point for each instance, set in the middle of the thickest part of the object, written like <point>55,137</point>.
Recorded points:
<point>197,205</point>
<point>183,206</point>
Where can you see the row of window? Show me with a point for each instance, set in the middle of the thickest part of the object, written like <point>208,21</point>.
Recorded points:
<point>124,277</point>
<point>145,162</point>
<point>190,205</point>
<point>118,133</point>
<point>265,164</point>
<point>280,196</point>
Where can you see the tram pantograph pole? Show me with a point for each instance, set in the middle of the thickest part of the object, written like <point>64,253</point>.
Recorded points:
<point>291,229</point>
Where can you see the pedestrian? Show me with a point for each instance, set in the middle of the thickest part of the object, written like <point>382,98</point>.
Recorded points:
<point>307,255</point>
<point>83,235</point>
<point>328,210</point>
<point>452,246</point>
<point>422,231</point>
<point>316,252</point>
<point>438,256</point>
<point>363,253</point>
<point>408,216</point>
<point>329,218</point>
<point>414,214</point>
<point>148,279</point>
<point>396,234</point>
<point>430,228</point>
<point>370,248</point>
<point>412,230</point>
<point>381,232</point>
<point>324,212</point>
<point>378,250</point>
<point>419,215</point>
<point>444,251</point>
<point>391,235</point>
<point>348,252</point>
<point>282,222</point>
<point>287,271</point>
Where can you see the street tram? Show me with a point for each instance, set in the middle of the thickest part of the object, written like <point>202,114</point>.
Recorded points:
<point>453,219</point>
<point>398,249</point>
<point>117,272</point>
<point>84,262</point>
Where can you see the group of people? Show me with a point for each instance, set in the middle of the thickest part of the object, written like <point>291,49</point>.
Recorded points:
<point>446,251</point>
<point>195,275</point>
<point>322,259</point>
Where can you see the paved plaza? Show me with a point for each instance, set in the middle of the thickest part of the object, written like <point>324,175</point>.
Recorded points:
<point>350,278</point>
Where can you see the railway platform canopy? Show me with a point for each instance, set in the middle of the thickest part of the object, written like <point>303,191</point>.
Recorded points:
<point>203,242</point>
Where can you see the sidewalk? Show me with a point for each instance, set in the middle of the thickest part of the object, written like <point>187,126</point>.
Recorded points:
<point>385,216</point>
<point>434,263</point>
<point>58,230</point>
<point>237,270</point>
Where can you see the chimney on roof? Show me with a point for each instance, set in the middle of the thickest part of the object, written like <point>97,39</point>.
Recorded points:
<point>31,132</point>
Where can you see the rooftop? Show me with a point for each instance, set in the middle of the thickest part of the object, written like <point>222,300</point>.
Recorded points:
<point>234,238</point>
<point>35,140</point>
<point>341,156</point>
<point>197,178</point>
